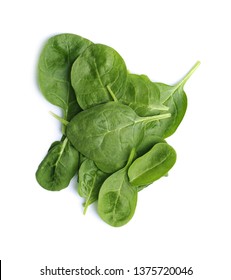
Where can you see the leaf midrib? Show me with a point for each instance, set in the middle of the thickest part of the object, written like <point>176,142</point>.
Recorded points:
<point>117,199</point>
<point>59,158</point>
<point>89,195</point>
<point>99,77</point>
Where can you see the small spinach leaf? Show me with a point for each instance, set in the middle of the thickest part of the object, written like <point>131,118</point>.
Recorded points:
<point>107,133</point>
<point>98,75</point>
<point>152,165</point>
<point>54,66</point>
<point>90,182</point>
<point>58,167</point>
<point>175,99</point>
<point>117,198</point>
<point>143,96</point>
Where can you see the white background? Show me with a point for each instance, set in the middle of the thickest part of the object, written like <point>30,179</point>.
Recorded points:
<point>182,220</point>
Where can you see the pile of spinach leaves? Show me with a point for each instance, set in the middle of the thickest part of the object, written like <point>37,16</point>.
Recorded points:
<point>114,125</point>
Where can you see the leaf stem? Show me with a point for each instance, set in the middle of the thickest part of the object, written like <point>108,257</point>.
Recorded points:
<point>189,74</point>
<point>112,94</point>
<point>154,118</point>
<point>63,121</point>
<point>61,152</point>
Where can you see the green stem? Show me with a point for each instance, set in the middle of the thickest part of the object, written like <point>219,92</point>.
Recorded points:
<point>85,207</point>
<point>112,94</point>
<point>154,118</point>
<point>61,152</point>
<point>167,93</point>
<point>63,121</point>
<point>189,74</point>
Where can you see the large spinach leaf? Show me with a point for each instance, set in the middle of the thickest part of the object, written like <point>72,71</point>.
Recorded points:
<point>58,167</point>
<point>54,66</point>
<point>90,181</point>
<point>98,75</point>
<point>117,198</point>
<point>107,133</point>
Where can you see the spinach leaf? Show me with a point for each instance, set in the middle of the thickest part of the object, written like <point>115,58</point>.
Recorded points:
<point>98,75</point>
<point>175,99</point>
<point>90,181</point>
<point>54,66</point>
<point>143,96</point>
<point>107,133</point>
<point>148,141</point>
<point>58,167</point>
<point>117,198</point>
<point>152,165</point>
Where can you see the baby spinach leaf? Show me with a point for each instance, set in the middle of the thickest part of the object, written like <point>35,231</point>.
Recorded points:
<point>117,198</point>
<point>143,96</point>
<point>177,104</point>
<point>98,75</point>
<point>175,99</point>
<point>152,165</point>
<point>107,133</point>
<point>58,167</point>
<point>90,182</point>
<point>148,141</point>
<point>54,66</point>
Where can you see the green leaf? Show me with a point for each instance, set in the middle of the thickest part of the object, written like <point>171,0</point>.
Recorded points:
<point>152,165</point>
<point>107,133</point>
<point>175,99</point>
<point>117,198</point>
<point>169,91</point>
<point>90,182</point>
<point>142,96</point>
<point>148,141</point>
<point>58,167</point>
<point>99,75</point>
<point>54,66</point>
